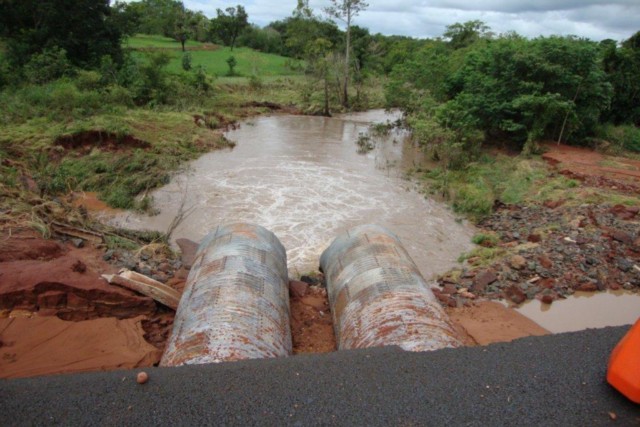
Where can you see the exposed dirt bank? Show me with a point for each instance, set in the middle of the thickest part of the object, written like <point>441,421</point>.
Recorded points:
<point>57,279</point>
<point>84,142</point>
<point>585,163</point>
<point>58,315</point>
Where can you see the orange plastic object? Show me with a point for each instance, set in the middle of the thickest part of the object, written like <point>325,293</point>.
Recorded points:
<point>624,365</point>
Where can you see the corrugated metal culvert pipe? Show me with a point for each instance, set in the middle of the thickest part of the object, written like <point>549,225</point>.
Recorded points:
<point>235,304</point>
<point>378,297</point>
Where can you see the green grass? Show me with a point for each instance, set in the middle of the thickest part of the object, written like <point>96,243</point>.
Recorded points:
<point>143,41</point>
<point>118,176</point>
<point>483,256</point>
<point>556,188</point>
<point>213,58</point>
<point>474,189</point>
<point>511,180</point>
<point>486,239</point>
<point>250,62</point>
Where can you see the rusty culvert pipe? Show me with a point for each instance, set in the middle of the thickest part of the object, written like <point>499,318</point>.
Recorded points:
<point>378,296</point>
<point>235,303</point>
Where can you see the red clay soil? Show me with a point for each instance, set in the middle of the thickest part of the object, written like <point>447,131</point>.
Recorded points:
<point>311,322</point>
<point>59,287</point>
<point>488,322</point>
<point>107,141</point>
<point>57,315</point>
<point>50,278</point>
<point>47,345</point>
<point>90,202</point>
<point>586,164</point>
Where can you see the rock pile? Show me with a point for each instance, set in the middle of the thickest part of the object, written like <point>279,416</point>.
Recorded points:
<point>550,251</point>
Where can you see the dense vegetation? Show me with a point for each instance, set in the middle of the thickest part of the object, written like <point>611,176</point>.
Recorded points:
<point>130,69</point>
<point>511,89</point>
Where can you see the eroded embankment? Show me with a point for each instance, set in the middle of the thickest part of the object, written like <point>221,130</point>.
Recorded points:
<point>58,315</point>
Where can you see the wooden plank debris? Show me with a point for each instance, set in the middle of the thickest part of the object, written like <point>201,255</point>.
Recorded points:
<point>147,286</point>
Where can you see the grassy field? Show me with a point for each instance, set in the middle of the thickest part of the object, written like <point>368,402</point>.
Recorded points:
<point>141,41</point>
<point>213,58</point>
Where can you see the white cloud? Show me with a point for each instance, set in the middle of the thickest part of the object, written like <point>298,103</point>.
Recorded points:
<point>594,19</point>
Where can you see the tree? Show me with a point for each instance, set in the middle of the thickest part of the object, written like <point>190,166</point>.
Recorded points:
<point>525,90</point>
<point>622,65</point>
<point>126,17</point>
<point>463,35</point>
<point>182,30</point>
<point>266,39</point>
<point>82,28</point>
<point>228,26</point>
<point>633,42</point>
<point>318,55</point>
<point>299,31</point>
<point>198,26</point>
<point>158,16</point>
<point>346,10</point>
<point>302,29</point>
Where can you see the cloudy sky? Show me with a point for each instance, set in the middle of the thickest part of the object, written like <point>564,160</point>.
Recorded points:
<point>594,19</point>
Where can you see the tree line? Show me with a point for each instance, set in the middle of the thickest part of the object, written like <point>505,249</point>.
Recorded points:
<point>458,91</point>
<point>471,87</point>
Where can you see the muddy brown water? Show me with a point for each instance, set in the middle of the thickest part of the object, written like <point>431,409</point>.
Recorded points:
<point>585,310</point>
<point>302,178</point>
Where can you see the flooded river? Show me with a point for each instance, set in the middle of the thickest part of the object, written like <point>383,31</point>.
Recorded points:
<point>302,178</point>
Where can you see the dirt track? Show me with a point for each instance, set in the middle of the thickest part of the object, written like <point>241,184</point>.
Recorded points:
<point>586,163</point>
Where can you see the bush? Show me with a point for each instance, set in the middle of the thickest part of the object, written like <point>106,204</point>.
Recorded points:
<point>487,240</point>
<point>454,145</point>
<point>118,95</point>
<point>61,100</point>
<point>232,62</point>
<point>621,137</point>
<point>88,80</point>
<point>47,66</point>
<point>5,73</point>
<point>255,82</point>
<point>475,200</point>
<point>200,80</point>
<point>186,61</point>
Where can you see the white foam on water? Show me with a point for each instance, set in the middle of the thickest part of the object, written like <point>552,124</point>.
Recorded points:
<point>301,178</point>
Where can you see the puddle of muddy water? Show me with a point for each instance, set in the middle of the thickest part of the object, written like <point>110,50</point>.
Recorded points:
<point>585,310</point>
<point>302,178</point>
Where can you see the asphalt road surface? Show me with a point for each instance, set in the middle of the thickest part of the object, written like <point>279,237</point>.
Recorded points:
<point>545,381</point>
